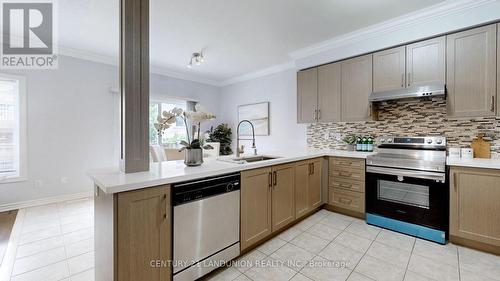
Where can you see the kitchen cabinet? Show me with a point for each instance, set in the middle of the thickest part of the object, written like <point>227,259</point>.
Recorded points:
<point>256,220</point>
<point>471,72</point>
<point>283,196</point>
<point>143,215</point>
<point>389,69</point>
<point>356,87</point>
<point>474,204</point>
<point>425,62</point>
<point>346,185</point>
<point>498,70</point>
<point>329,93</point>
<point>307,186</point>
<point>307,95</point>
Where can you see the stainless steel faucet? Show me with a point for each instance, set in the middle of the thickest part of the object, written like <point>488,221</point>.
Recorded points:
<point>238,151</point>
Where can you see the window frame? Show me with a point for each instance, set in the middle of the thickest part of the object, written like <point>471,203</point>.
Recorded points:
<point>168,100</point>
<point>23,134</point>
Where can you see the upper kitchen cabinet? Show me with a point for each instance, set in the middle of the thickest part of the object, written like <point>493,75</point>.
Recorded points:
<point>471,72</point>
<point>356,87</point>
<point>498,71</point>
<point>425,62</point>
<point>307,95</point>
<point>329,92</point>
<point>389,69</point>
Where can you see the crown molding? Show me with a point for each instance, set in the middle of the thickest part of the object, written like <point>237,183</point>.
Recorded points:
<point>259,73</point>
<point>432,12</point>
<point>155,69</point>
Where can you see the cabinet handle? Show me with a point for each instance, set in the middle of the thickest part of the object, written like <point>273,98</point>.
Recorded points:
<point>275,178</point>
<point>312,165</point>
<point>492,104</point>
<point>319,114</point>
<point>346,185</point>
<point>408,79</point>
<point>270,180</point>
<point>309,169</point>
<point>165,216</point>
<point>455,181</point>
<point>345,174</point>
<point>345,201</point>
<point>315,115</point>
<point>402,80</point>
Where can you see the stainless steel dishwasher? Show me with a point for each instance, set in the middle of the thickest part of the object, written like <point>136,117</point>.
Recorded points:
<point>206,225</point>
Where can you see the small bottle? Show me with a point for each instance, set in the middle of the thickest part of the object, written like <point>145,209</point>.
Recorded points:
<point>364,145</point>
<point>359,144</point>
<point>370,144</point>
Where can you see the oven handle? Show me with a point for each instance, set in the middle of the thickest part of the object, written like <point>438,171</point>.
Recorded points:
<point>407,173</point>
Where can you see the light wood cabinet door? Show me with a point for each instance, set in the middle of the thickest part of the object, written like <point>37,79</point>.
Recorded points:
<point>498,70</point>
<point>302,171</point>
<point>425,62</point>
<point>283,196</point>
<point>255,206</point>
<point>475,204</point>
<point>143,215</point>
<point>307,95</point>
<point>356,88</point>
<point>329,92</point>
<point>471,72</point>
<point>389,69</point>
<point>314,188</point>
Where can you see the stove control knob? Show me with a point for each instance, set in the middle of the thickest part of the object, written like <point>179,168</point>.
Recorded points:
<point>389,140</point>
<point>382,140</point>
<point>429,141</point>
<point>439,141</point>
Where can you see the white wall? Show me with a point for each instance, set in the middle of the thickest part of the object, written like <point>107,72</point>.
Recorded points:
<point>280,90</point>
<point>73,125</point>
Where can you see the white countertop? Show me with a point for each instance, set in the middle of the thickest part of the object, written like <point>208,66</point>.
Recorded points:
<point>474,163</point>
<point>113,180</point>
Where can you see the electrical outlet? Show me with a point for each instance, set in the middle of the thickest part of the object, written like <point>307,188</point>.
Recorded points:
<point>38,183</point>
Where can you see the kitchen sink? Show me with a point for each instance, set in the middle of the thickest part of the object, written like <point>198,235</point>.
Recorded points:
<point>250,159</point>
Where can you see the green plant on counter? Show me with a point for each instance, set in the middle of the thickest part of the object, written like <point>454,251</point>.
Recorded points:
<point>349,139</point>
<point>222,134</point>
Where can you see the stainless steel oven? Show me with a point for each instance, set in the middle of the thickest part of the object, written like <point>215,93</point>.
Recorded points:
<point>407,188</point>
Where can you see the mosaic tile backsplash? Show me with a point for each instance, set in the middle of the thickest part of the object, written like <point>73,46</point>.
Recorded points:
<point>409,117</point>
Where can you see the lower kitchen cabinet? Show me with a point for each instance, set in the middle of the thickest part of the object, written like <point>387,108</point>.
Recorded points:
<point>283,208</point>
<point>132,229</point>
<point>346,185</point>
<point>475,205</point>
<point>256,220</point>
<point>307,186</point>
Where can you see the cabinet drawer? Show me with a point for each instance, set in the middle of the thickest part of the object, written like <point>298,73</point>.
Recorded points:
<point>347,184</point>
<point>348,174</point>
<point>342,163</point>
<point>346,199</point>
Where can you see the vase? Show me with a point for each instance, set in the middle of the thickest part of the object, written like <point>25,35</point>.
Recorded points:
<point>193,157</point>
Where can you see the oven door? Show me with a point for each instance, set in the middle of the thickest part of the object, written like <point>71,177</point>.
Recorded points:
<point>417,197</point>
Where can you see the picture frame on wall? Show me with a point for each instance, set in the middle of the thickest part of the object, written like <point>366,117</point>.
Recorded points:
<point>258,114</point>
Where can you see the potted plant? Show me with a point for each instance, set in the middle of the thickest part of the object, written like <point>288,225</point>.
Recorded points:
<point>350,141</point>
<point>221,134</point>
<point>193,145</point>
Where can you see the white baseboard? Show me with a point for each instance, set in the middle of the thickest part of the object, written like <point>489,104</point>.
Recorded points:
<point>45,201</point>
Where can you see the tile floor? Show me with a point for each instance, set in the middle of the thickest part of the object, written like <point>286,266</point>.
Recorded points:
<point>330,246</point>
<point>55,243</point>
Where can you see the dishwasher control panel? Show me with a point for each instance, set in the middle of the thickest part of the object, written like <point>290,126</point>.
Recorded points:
<point>199,189</point>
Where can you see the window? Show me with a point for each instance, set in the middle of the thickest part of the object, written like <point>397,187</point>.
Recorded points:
<point>175,133</point>
<point>12,127</point>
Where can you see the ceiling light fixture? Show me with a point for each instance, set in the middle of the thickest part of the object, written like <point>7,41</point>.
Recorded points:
<point>197,59</point>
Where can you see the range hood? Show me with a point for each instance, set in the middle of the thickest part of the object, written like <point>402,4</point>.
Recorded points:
<point>411,92</point>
